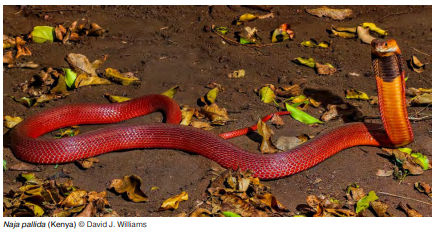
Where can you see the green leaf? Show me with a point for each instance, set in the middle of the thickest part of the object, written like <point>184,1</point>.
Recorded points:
<point>231,214</point>
<point>406,150</point>
<point>301,116</point>
<point>279,36</point>
<point>364,202</point>
<point>421,159</point>
<point>70,76</point>
<point>245,41</point>
<point>4,165</point>
<point>41,34</point>
<point>267,95</point>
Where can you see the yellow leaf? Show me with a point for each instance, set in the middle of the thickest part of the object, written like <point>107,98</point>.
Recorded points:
<point>172,203</point>
<point>267,95</point>
<point>237,74</point>
<point>131,185</point>
<point>117,77</point>
<point>355,94</point>
<point>217,115</point>
<point>309,62</point>
<point>187,113</point>
<point>212,95</point>
<point>343,34</point>
<point>171,92</point>
<point>10,122</point>
<point>75,198</point>
<point>374,28</point>
<point>113,98</point>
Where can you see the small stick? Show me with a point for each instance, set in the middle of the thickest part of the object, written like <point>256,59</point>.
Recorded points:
<point>421,52</point>
<point>237,43</point>
<point>394,195</point>
<point>419,119</point>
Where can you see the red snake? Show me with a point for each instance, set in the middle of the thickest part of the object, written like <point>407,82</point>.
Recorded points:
<point>395,131</point>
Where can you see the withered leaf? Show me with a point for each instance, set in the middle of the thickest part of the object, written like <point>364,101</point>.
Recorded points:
<point>172,203</point>
<point>325,69</point>
<point>131,186</point>
<point>332,113</point>
<point>266,145</point>
<point>117,77</point>
<point>335,14</point>
<point>409,210</point>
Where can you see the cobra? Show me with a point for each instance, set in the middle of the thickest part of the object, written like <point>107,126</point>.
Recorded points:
<point>395,131</point>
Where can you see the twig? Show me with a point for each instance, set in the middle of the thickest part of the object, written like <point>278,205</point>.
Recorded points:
<point>421,52</point>
<point>419,119</point>
<point>394,195</point>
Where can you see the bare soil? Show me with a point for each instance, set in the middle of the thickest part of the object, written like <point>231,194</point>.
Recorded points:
<point>173,45</point>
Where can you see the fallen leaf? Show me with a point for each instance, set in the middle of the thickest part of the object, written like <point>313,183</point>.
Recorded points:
<point>380,208</point>
<point>117,77</point>
<point>201,212</point>
<point>364,202</point>
<point>332,113</point>
<point>286,143</point>
<point>249,35</point>
<point>301,116</point>
<point>335,14</point>
<point>41,34</point>
<point>131,186</point>
<point>36,209</point>
<point>410,212</point>
<point>113,98</point>
<point>416,65</point>
<point>266,145</point>
<point>313,43</point>
<point>266,94</point>
<point>374,28</point>
<point>24,167</point>
<point>30,64</point>
<point>95,30</point>
<point>246,18</point>
<point>202,125</point>
<point>282,33</point>
<point>187,113</point>
<point>405,159</point>
<point>277,120</point>
<point>325,69</point>
<point>364,35</point>
<point>343,34</point>
<point>8,58</point>
<point>88,162</point>
<point>355,94</point>
<point>172,203</point>
<point>423,188</point>
<point>222,30</point>
<point>217,115</point>
<point>231,214</point>
<point>75,199</point>
<point>384,173</point>
<point>81,64</point>
<point>28,102</point>
<point>354,192</point>
<point>70,77</point>
<point>310,62</point>
<point>211,96</point>
<point>8,42</point>
<point>86,80</point>
<point>10,122</point>
<point>351,30</point>
<point>423,99</point>
<point>21,49</point>
<point>374,100</point>
<point>171,92</point>
<point>288,91</point>
<point>237,74</point>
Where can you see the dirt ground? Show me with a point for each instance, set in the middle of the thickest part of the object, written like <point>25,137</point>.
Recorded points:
<point>172,45</point>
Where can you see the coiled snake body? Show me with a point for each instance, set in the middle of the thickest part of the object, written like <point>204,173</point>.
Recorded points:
<point>395,131</point>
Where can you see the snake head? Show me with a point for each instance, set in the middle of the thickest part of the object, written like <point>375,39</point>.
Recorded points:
<point>381,46</point>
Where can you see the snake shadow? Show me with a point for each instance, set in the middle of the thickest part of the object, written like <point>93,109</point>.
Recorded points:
<point>347,111</point>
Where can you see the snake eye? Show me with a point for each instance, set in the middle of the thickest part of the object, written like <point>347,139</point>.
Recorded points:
<point>386,44</point>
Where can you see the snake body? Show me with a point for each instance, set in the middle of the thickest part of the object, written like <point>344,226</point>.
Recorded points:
<point>395,131</point>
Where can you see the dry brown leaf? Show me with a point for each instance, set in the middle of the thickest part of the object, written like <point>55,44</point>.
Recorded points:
<point>217,115</point>
<point>202,125</point>
<point>237,74</point>
<point>266,145</point>
<point>285,143</point>
<point>81,64</point>
<point>409,210</point>
<point>423,188</point>
<point>24,167</point>
<point>423,99</point>
<point>89,211</point>
<point>8,58</point>
<point>384,173</point>
<point>416,65</point>
<point>374,100</point>
<point>201,212</point>
<point>407,161</point>
<point>332,113</point>
<point>131,185</point>
<point>335,14</point>
<point>288,91</point>
<point>95,30</point>
<point>121,78</point>
<point>21,49</point>
<point>172,203</point>
<point>380,208</point>
<point>364,35</point>
<point>88,162</point>
<point>277,120</point>
<point>325,69</point>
